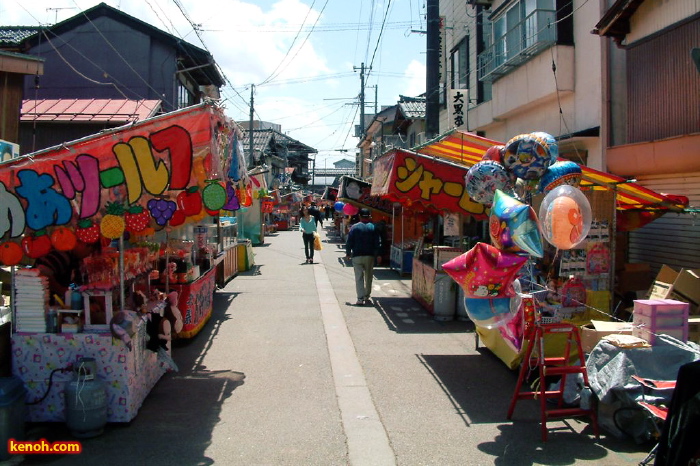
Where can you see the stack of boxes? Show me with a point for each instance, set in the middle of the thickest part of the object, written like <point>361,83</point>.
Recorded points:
<point>654,317</point>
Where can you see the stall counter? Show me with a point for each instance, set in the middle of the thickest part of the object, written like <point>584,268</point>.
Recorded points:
<point>195,301</point>
<point>128,375</point>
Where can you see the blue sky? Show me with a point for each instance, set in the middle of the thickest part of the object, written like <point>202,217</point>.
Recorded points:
<point>299,54</point>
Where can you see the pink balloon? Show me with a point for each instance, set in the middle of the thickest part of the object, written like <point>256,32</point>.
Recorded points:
<point>349,209</point>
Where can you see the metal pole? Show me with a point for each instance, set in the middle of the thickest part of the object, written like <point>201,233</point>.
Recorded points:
<point>250,128</point>
<point>122,296</point>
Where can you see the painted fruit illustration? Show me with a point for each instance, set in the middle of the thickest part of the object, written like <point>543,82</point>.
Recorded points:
<point>63,239</point>
<point>136,219</point>
<point>87,232</point>
<point>214,196</point>
<point>161,210</point>
<point>112,225</point>
<point>36,245</point>
<point>190,201</point>
<point>10,253</point>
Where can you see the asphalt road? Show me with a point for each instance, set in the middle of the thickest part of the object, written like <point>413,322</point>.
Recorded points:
<point>286,372</point>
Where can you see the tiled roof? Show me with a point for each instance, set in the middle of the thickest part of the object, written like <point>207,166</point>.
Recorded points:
<point>262,137</point>
<point>12,35</point>
<point>412,107</point>
<point>117,111</point>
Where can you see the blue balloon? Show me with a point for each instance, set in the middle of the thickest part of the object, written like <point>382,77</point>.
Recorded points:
<point>338,206</point>
<point>489,312</point>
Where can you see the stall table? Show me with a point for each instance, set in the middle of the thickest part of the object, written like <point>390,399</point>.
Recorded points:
<point>401,260</point>
<point>128,375</point>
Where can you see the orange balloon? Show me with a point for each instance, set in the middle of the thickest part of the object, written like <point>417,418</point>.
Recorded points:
<point>566,222</point>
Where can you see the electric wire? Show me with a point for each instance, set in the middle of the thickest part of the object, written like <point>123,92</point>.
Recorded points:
<point>291,46</point>
<point>305,39</point>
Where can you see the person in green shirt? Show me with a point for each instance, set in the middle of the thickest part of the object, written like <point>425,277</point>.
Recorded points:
<point>307,226</point>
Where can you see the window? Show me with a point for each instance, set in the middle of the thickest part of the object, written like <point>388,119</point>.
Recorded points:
<point>519,31</point>
<point>184,96</point>
<point>459,65</point>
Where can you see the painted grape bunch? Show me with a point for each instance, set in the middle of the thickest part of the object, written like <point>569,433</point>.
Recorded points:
<point>161,210</point>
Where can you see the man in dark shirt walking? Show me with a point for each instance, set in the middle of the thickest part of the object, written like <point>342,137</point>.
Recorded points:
<point>362,246</point>
<point>316,214</point>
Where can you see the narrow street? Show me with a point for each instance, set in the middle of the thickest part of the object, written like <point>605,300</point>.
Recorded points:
<point>286,372</point>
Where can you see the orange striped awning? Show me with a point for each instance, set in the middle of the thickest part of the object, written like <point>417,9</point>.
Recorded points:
<point>468,149</point>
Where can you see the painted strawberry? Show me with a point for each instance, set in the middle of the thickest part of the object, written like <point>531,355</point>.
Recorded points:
<point>36,245</point>
<point>136,219</point>
<point>87,232</point>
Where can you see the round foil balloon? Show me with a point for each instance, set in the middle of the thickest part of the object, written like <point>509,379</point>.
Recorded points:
<point>527,156</point>
<point>513,226</point>
<point>338,206</point>
<point>349,209</point>
<point>551,143</point>
<point>565,216</point>
<point>560,173</point>
<point>494,153</point>
<point>489,313</point>
<point>484,178</point>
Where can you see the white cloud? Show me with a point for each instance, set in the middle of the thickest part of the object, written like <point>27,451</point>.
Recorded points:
<point>415,72</point>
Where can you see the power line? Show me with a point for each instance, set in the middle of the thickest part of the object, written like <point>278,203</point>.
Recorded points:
<point>308,12</point>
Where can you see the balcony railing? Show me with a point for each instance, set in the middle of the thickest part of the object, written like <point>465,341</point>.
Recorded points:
<point>527,38</point>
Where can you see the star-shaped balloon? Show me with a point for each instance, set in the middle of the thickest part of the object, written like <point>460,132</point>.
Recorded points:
<point>485,271</point>
<point>513,226</point>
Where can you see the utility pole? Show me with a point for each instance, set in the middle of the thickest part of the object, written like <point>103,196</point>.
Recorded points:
<point>250,128</point>
<point>362,97</point>
<point>432,63</point>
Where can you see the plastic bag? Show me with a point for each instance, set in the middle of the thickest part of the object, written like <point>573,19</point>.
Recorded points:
<point>317,242</point>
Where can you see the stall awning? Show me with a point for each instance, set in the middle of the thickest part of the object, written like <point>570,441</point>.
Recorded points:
<point>424,184</point>
<point>359,193</point>
<point>467,149</point>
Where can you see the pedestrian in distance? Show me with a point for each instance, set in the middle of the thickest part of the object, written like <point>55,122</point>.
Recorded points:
<point>307,226</point>
<point>362,247</point>
<point>316,214</point>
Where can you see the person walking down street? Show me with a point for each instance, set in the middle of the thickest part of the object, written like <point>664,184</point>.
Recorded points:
<point>316,214</point>
<point>307,225</point>
<point>328,211</point>
<point>362,246</point>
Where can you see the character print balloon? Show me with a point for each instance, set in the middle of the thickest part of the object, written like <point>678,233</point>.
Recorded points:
<point>484,178</point>
<point>486,275</point>
<point>565,217</point>
<point>562,172</point>
<point>513,226</point>
<point>551,143</point>
<point>494,153</point>
<point>527,156</point>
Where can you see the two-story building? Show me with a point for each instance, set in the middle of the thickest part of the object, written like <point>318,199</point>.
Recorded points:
<point>104,68</point>
<point>651,117</point>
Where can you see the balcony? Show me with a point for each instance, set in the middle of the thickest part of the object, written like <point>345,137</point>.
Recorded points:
<point>526,39</point>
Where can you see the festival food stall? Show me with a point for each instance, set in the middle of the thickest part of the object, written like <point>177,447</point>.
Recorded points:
<point>140,201</point>
<point>353,195</point>
<point>433,198</point>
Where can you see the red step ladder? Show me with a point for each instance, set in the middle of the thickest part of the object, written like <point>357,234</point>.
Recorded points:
<point>549,367</point>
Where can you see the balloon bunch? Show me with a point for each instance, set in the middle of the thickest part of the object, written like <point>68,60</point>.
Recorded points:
<point>501,180</point>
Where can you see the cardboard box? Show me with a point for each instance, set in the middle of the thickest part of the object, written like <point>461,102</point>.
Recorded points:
<point>597,329</point>
<point>694,329</point>
<point>683,285</point>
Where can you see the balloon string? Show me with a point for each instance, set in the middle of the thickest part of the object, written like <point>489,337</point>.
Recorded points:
<point>672,342</point>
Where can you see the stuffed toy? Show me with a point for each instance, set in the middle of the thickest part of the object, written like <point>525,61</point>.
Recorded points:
<point>172,312</point>
<point>123,327</point>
